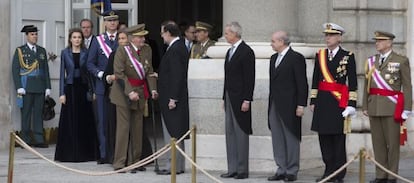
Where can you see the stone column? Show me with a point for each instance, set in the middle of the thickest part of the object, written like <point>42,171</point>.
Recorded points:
<point>5,74</point>
<point>259,18</point>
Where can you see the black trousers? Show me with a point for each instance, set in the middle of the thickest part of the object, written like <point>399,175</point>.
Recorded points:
<point>333,153</point>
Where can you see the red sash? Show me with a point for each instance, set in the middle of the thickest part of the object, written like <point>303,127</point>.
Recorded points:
<point>335,87</point>
<point>400,101</point>
<point>140,82</point>
<point>339,91</point>
<point>398,108</point>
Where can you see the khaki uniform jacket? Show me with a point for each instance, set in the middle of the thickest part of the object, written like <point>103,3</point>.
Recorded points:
<point>124,69</point>
<point>396,72</point>
<point>198,51</point>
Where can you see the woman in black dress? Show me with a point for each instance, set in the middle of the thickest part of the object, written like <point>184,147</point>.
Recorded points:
<point>77,135</point>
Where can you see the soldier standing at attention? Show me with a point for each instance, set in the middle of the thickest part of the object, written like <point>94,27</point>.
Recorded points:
<point>203,31</point>
<point>387,101</point>
<point>31,79</point>
<point>333,99</point>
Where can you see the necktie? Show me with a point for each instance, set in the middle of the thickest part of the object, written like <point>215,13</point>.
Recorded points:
<point>381,61</point>
<point>34,49</point>
<point>138,52</point>
<point>231,52</point>
<point>87,43</point>
<point>330,56</point>
<point>189,46</point>
<point>111,37</point>
<point>278,59</point>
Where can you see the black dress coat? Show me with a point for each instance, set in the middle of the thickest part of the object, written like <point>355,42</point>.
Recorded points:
<point>172,84</point>
<point>327,115</point>
<point>289,88</point>
<point>239,78</point>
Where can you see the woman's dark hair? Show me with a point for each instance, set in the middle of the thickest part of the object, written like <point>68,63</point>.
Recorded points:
<point>73,30</point>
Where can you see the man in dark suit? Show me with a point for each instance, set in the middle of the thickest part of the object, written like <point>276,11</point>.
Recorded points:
<point>98,55</point>
<point>239,69</point>
<point>32,81</point>
<point>87,26</point>
<point>188,34</point>
<point>388,79</point>
<point>173,90</point>
<point>287,100</point>
<point>333,99</point>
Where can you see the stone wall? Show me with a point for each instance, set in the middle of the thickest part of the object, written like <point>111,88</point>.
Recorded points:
<point>5,73</point>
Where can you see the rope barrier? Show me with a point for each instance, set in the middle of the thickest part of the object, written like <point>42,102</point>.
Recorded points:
<point>167,148</point>
<point>339,170</point>
<point>143,162</point>
<point>386,170</point>
<point>197,166</point>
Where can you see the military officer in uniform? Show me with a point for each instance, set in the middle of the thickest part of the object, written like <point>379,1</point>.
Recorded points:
<point>333,99</point>
<point>203,31</point>
<point>99,51</point>
<point>132,69</point>
<point>31,79</point>
<point>387,82</point>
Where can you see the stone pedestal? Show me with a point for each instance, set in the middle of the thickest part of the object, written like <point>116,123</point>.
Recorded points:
<point>259,18</point>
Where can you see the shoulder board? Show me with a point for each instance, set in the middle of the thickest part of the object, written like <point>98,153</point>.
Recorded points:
<point>350,53</point>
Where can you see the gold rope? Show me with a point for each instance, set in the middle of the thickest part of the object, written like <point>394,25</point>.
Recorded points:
<point>369,74</point>
<point>25,66</point>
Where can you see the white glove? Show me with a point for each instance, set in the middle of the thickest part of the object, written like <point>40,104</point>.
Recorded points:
<point>21,91</point>
<point>47,92</point>
<point>405,114</point>
<point>349,110</point>
<point>100,74</point>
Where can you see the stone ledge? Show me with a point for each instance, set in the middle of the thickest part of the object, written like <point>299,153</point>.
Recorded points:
<point>263,49</point>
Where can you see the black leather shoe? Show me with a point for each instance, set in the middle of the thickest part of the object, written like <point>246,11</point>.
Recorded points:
<point>164,172</point>
<point>379,181</point>
<point>180,172</point>
<point>392,181</point>
<point>120,171</point>
<point>338,181</point>
<point>276,177</point>
<point>291,178</point>
<point>101,161</point>
<point>141,169</point>
<point>41,145</point>
<point>241,176</point>
<point>228,175</point>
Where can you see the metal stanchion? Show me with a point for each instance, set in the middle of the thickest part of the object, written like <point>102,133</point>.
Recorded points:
<point>11,157</point>
<point>194,154</point>
<point>173,160</point>
<point>362,165</point>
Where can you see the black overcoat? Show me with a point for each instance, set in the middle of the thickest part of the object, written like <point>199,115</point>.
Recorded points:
<point>289,88</point>
<point>239,78</point>
<point>172,84</point>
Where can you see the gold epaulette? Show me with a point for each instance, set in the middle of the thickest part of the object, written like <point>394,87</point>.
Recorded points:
<point>314,93</point>
<point>353,95</point>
